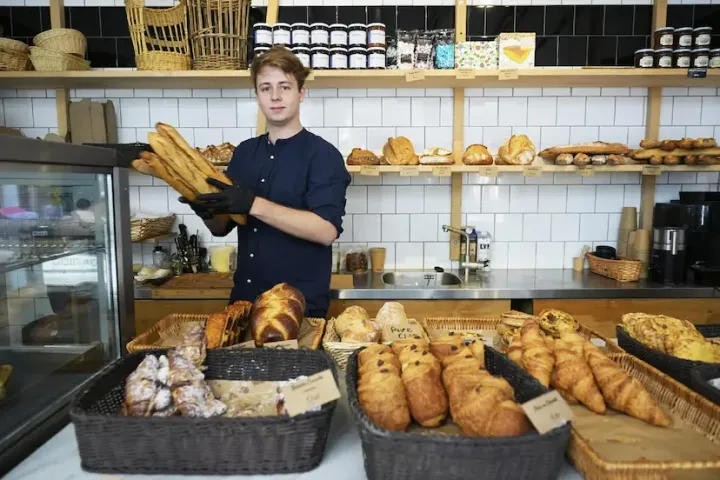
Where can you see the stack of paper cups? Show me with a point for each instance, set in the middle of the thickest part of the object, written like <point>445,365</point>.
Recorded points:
<point>628,224</point>
<point>641,250</point>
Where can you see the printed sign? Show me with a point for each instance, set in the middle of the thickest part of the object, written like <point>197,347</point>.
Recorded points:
<point>315,391</point>
<point>548,411</point>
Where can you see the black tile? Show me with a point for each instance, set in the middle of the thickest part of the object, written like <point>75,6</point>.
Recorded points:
<point>626,48</point>
<point>293,14</point>
<point>5,22</point>
<point>499,20</point>
<point>45,18</point>
<point>322,14</point>
<point>86,19</point>
<point>572,51</point>
<point>680,15</point>
<point>601,51</point>
<point>257,15</point>
<point>26,21</point>
<point>619,19</point>
<point>530,19</point>
<point>102,52</point>
<point>707,16</point>
<point>643,20</point>
<point>559,20</point>
<point>476,20</point>
<point>113,22</point>
<point>546,52</point>
<point>589,19</point>
<point>411,18</point>
<point>440,17</point>
<point>386,15</point>
<point>348,15</point>
<point>480,38</point>
<point>125,53</point>
<point>67,16</point>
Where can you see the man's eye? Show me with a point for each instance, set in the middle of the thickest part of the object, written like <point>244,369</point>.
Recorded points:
<point>264,89</point>
<point>286,87</point>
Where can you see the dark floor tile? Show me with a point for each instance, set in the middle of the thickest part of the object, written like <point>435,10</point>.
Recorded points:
<point>322,14</point>
<point>499,20</point>
<point>26,21</point>
<point>680,15</point>
<point>589,19</point>
<point>86,19</point>
<point>619,19</point>
<point>546,52</point>
<point>5,22</point>
<point>386,15</point>
<point>602,51</point>
<point>559,20</point>
<point>411,18</point>
<point>102,52</point>
<point>113,22</point>
<point>348,15</point>
<point>642,24</point>
<point>626,48</point>
<point>125,53</point>
<point>572,51</point>
<point>440,17</point>
<point>707,16</point>
<point>476,20</point>
<point>530,19</point>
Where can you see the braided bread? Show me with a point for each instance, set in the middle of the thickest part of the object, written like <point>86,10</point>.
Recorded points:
<point>277,314</point>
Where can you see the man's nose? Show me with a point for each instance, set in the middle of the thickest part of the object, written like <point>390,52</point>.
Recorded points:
<point>276,93</point>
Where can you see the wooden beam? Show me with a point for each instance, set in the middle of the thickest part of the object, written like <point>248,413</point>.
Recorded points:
<point>270,17</point>
<point>458,144</point>
<point>62,98</point>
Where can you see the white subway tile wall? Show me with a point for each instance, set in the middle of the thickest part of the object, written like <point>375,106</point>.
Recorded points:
<point>536,222</point>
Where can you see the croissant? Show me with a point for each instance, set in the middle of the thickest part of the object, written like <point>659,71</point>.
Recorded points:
<point>536,357</point>
<point>409,356</point>
<point>487,412</point>
<point>621,391</point>
<point>400,345</point>
<point>382,397</point>
<point>426,395</point>
<point>372,350</point>
<point>515,350</point>
<point>573,375</point>
<point>449,344</point>
<point>277,314</point>
<point>477,348</point>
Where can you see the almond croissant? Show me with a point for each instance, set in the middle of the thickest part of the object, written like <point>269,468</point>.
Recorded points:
<point>536,356</point>
<point>573,375</point>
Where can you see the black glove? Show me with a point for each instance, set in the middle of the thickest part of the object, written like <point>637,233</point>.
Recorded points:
<point>200,210</point>
<point>230,199</point>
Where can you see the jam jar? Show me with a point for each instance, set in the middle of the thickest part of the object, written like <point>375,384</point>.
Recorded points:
<point>681,58</point>
<point>357,35</point>
<point>303,54</point>
<point>664,38</point>
<point>664,58</point>
<point>714,58</point>
<point>338,58</point>
<point>319,34</point>
<point>683,37</point>
<point>262,34</point>
<point>300,34</point>
<point>376,57</point>
<point>700,57</point>
<point>338,35</point>
<point>320,58</point>
<point>376,35</point>
<point>645,58</point>
<point>357,58</point>
<point>281,34</point>
<point>701,37</point>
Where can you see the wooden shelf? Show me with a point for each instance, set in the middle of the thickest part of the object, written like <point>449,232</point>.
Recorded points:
<point>538,77</point>
<point>492,170</point>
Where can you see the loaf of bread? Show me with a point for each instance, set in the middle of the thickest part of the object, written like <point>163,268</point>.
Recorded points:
<point>590,148</point>
<point>517,150</point>
<point>436,156</point>
<point>477,154</point>
<point>277,315</point>
<point>358,156</point>
<point>400,151</point>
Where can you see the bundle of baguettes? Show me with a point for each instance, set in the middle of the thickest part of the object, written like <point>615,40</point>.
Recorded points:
<point>180,166</point>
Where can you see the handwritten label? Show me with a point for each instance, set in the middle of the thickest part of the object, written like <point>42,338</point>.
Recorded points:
<point>653,170</point>
<point>532,171</point>
<point>508,75</point>
<point>488,171</point>
<point>409,171</point>
<point>548,411</point>
<point>315,391</point>
<point>441,171</point>
<point>370,171</point>
<point>284,345</point>
<point>586,171</point>
<point>411,329</point>
<point>415,76</point>
<point>465,74</point>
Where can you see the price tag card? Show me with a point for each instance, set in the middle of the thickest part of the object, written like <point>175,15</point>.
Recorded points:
<point>370,171</point>
<point>284,345</point>
<point>533,171</point>
<point>442,171</point>
<point>548,411</point>
<point>586,171</point>
<point>488,171</point>
<point>508,75</point>
<point>653,170</point>
<point>465,74</point>
<point>409,171</point>
<point>315,391</point>
<point>415,76</point>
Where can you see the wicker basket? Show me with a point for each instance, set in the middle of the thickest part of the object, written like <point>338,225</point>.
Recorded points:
<point>144,228</point>
<point>10,45</point>
<point>339,351</point>
<point>13,61</point>
<point>623,270</point>
<point>111,443</point>
<point>700,378</point>
<point>159,36</point>
<point>414,455</point>
<point>698,413</point>
<point>45,60</point>
<point>65,40</point>
<point>218,29</point>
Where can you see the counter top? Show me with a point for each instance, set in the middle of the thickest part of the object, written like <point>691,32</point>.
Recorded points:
<point>498,284</point>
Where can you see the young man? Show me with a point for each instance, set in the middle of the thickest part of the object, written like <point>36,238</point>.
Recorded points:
<point>291,184</point>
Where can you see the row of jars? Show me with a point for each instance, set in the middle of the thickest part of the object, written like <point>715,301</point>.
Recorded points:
<point>320,35</point>
<point>336,58</point>
<point>680,58</point>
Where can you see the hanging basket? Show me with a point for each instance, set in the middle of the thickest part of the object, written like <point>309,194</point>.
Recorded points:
<point>159,36</point>
<point>218,30</point>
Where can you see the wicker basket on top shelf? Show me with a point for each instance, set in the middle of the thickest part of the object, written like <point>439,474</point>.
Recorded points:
<point>218,30</point>
<point>65,40</point>
<point>159,36</point>
<point>14,55</point>
<point>46,60</point>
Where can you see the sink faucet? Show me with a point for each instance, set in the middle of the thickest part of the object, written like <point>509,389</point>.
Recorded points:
<point>466,264</point>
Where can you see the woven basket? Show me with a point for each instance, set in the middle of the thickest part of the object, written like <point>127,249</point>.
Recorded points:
<point>159,36</point>
<point>623,270</point>
<point>697,412</point>
<point>10,45</point>
<point>218,29</point>
<point>45,60</point>
<point>13,61</point>
<point>65,40</point>
<point>111,443</point>
<point>339,351</point>
<point>144,228</point>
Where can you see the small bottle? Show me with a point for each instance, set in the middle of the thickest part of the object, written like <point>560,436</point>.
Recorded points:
<point>483,251</point>
<point>160,258</point>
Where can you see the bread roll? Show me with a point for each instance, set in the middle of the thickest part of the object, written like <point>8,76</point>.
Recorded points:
<point>358,156</point>
<point>400,151</point>
<point>477,154</point>
<point>350,315</point>
<point>704,143</point>
<point>671,160</point>
<point>517,150</point>
<point>686,143</point>
<point>564,159</point>
<point>599,160</point>
<point>647,143</point>
<point>277,314</point>
<point>691,160</point>
<point>581,159</point>
<point>656,160</point>
<point>668,145</point>
<point>617,160</point>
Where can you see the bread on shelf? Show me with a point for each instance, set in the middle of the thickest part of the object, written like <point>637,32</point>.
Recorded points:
<point>358,156</point>
<point>437,156</point>
<point>477,154</point>
<point>589,148</point>
<point>517,150</point>
<point>400,151</point>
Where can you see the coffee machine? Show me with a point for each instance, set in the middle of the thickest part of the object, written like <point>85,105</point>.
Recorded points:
<point>698,214</point>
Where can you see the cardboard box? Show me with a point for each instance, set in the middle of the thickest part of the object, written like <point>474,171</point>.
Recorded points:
<point>516,50</point>
<point>93,122</point>
<point>472,55</point>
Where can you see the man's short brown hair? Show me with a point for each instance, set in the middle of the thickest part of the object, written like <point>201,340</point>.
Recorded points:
<point>282,58</point>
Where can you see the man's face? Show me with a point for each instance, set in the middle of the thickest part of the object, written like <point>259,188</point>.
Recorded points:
<point>278,95</point>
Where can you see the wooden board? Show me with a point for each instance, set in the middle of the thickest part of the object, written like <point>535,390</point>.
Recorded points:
<point>149,312</point>
<point>428,308</point>
<point>602,315</point>
<point>196,285</point>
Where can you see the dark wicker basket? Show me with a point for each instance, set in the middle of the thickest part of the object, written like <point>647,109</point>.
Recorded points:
<point>677,368</point>
<point>404,456</point>
<point>700,376</point>
<point>111,443</point>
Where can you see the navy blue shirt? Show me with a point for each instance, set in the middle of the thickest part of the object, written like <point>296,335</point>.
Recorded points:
<point>303,172</point>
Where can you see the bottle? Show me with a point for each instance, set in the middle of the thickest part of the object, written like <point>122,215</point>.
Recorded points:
<point>160,258</point>
<point>483,251</point>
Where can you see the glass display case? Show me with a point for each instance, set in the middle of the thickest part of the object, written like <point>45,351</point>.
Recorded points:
<point>65,281</point>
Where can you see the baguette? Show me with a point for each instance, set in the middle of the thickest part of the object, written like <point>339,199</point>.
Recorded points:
<point>163,173</point>
<point>590,148</point>
<point>179,163</point>
<point>645,154</point>
<point>142,166</point>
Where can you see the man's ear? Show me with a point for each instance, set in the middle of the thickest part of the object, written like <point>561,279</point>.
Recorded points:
<point>303,91</point>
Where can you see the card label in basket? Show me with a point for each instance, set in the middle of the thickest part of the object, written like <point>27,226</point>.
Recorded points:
<point>315,391</point>
<point>284,345</point>
<point>548,411</point>
<point>412,329</point>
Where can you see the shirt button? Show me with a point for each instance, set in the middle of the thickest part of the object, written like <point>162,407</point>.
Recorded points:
<point>272,157</point>
<point>249,281</point>
<point>255,230</point>
<point>252,255</point>
<point>262,180</point>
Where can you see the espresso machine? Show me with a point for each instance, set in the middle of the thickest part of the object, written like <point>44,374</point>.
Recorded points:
<point>688,239</point>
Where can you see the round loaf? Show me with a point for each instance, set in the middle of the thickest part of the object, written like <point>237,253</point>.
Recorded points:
<point>517,150</point>
<point>358,156</point>
<point>581,160</point>
<point>277,314</point>
<point>564,159</point>
<point>400,151</point>
<point>477,154</point>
